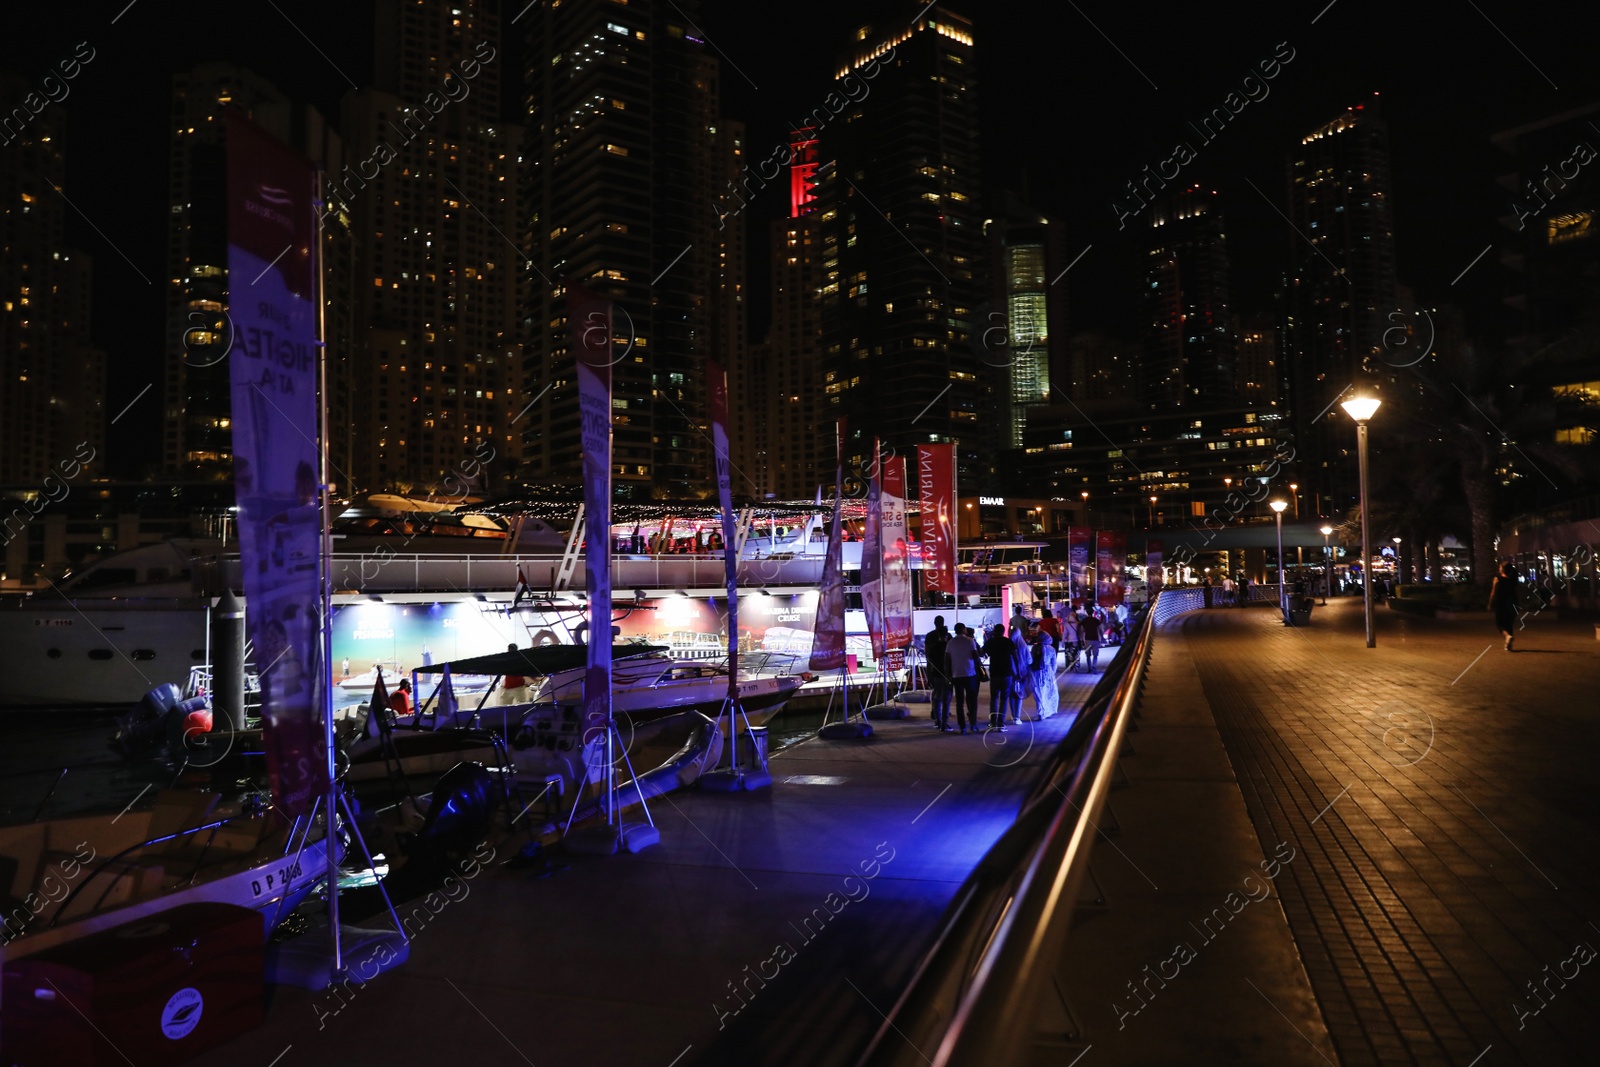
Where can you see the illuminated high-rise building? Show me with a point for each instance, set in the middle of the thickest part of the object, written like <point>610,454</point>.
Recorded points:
<point>1255,370</point>
<point>1342,287</point>
<point>903,248</point>
<point>1189,346</point>
<point>430,189</point>
<point>52,378</point>
<point>783,446</point>
<point>1023,335</point>
<point>197,438</point>
<point>625,158</point>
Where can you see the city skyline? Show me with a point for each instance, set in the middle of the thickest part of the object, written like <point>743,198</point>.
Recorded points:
<point>1097,284</point>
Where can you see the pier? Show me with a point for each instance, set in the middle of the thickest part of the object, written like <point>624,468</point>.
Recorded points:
<point>1367,856</point>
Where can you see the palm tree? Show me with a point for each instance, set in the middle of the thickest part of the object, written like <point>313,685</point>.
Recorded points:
<point>1481,414</point>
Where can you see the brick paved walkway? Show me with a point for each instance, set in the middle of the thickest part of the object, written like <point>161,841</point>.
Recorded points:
<point>1446,811</point>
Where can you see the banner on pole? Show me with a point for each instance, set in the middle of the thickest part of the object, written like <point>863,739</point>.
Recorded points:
<point>273,386</point>
<point>827,645</point>
<point>896,556</point>
<point>1078,561</point>
<point>590,317</point>
<point>1111,555</point>
<point>730,555</point>
<point>936,478</point>
<point>872,557</point>
<point>1152,568</point>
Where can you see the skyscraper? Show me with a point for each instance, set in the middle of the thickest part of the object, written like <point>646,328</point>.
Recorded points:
<point>1189,345</point>
<point>623,162</point>
<point>431,192</point>
<point>787,448</point>
<point>197,439</point>
<point>1024,334</point>
<point>52,378</point>
<point>1342,287</point>
<point>1255,372</point>
<point>903,245</point>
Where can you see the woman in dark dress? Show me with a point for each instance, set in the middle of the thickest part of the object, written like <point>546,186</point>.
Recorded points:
<point>1503,602</point>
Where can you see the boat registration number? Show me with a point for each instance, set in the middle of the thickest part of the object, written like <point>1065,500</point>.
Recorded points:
<point>268,881</point>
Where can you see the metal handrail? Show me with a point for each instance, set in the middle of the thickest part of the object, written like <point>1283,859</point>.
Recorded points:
<point>974,994</point>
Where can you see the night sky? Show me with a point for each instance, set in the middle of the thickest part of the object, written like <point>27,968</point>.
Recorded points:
<point>1077,100</point>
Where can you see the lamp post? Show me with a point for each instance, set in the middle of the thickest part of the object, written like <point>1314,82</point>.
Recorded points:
<point>1361,409</point>
<point>1399,571</point>
<point>1327,564</point>
<point>1152,513</point>
<point>1278,507</point>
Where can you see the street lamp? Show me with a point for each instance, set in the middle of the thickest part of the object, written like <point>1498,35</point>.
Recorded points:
<point>1152,512</point>
<point>1278,507</point>
<point>1327,564</point>
<point>1399,572</point>
<point>1361,409</point>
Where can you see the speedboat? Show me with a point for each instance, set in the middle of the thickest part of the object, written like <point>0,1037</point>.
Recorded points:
<point>653,685</point>
<point>63,879</point>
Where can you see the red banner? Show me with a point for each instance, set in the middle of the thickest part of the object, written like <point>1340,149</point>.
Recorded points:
<point>1111,557</point>
<point>936,475</point>
<point>1078,538</point>
<point>896,556</point>
<point>271,234</point>
<point>590,317</point>
<point>827,646</point>
<point>719,444</point>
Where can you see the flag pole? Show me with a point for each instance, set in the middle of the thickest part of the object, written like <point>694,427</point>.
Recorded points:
<point>324,565</point>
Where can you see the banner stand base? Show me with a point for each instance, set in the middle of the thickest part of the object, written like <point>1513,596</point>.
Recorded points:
<point>917,696</point>
<point>846,731</point>
<point>734,781</point>
<point>608,840</point>
<point>888,711</point>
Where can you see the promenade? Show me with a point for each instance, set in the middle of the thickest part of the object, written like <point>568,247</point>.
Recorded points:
<point>766,928</point>
<point>1439,798</point>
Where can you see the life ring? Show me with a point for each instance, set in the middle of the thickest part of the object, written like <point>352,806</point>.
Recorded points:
<point>546,637</point>
<point>580,635</point>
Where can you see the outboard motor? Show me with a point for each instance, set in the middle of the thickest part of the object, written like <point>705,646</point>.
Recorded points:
<point>463,805</point>
<point>145,727</point>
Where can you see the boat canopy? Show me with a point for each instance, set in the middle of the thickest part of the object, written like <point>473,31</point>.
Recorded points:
<point>539,660</point>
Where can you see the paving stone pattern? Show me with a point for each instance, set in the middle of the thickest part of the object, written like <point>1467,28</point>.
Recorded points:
<point>1447,815</point>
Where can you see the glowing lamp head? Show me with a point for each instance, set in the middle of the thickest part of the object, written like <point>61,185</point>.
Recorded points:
<point>1279,506</point>
<point>1327,531</point>
<point>1361,408</point>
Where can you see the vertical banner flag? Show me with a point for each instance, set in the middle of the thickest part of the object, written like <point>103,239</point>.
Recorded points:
<point>936,476</point>
<point>1078,561</point>
<point>273,385</point>
<point>590,316</point>
<point>872,556</point>
<point>1111,561</point>
<point>719,443</point>
<point>896,556</point>
<point>1152,568</point>
<point>827,645</point>
<point>1119,567</point>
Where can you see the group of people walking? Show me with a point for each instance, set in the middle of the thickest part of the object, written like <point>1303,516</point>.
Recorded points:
<point>1015,663</point>
<point>1228,592</point>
